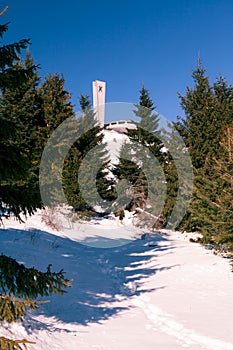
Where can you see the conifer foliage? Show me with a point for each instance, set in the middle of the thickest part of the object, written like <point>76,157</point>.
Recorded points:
<point>90,154</point>
<point>207,132</point>
<point>19,287</point>
<point>55,101</point>
<point>20,123</point>
<point>20,111</point>
<point>137,156</point>
<point>56,108</point>
<point>17,82</point>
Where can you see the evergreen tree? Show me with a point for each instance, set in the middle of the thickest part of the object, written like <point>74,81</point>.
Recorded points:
<point>178,172</point>
<point>147,132</point>
<point>55,101</point>
<point>56,108</point>
<point>213,196</point>
<point>198,105</point>
<point>19,106</point>
<point>19,286</point>
<point>87,164</point>
<point>145,143</point>
<point>15,167</point>
<point>220,206</point>
<point>198,126</point>
<point>208,113</point>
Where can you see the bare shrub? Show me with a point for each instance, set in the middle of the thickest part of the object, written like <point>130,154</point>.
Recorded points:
<point>50,216</point>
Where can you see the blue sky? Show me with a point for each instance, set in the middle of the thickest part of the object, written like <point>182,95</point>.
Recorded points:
<point>126,43</point>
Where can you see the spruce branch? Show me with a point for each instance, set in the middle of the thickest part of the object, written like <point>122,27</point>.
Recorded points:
<point>17,280</point>
<point>9,344</point>
<point>12,309</point>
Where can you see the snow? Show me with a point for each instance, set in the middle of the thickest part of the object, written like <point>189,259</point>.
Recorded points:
<point>160,292</point>
<point>114,141</point>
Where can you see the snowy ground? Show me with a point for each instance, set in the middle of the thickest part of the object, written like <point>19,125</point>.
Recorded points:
<point>159,293</point>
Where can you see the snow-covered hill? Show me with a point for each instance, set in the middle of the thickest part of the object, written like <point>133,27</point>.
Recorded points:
<point>161,292</point>
<point>114,140</point>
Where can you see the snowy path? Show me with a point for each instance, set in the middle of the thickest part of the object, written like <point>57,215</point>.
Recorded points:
<point>196,295</point>
<point>165,323</point>
<point>160,293</point>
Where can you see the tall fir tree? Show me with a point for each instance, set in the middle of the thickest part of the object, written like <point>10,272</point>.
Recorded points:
<point>198,105</point>
<point>208,114</point>
<point>15,191</point>
<point>145,143</point>
<point>56,108</point>
<point>178,172</point>
<point>97,188</point>
<point>20,107</point>
<point>219,203</point>
<point>19,286</point>
<point>56,103</point>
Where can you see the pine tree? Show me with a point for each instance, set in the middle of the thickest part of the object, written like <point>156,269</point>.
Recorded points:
<point>214,195</point>
<point>101,191</point>
<point>19,289</point>
<point>145,143</point>
<point>19,107</point>
<point>19,286</point>
<point>208,113</point>
<point>198,105</point>
<point>55,102</point>
<point>14,191</point>
<point>56,108</point>
<point>178,172</point>
<point>87,164</point>
<point>220,213</point>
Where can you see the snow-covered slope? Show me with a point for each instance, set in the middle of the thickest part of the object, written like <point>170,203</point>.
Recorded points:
<point>162,292</point>
<point>114,140</point>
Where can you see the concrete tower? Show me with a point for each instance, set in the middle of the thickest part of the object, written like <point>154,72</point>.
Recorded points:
<point>99,90</point>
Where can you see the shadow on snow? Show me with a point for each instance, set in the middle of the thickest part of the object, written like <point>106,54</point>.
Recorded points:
<point>102,278</point>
